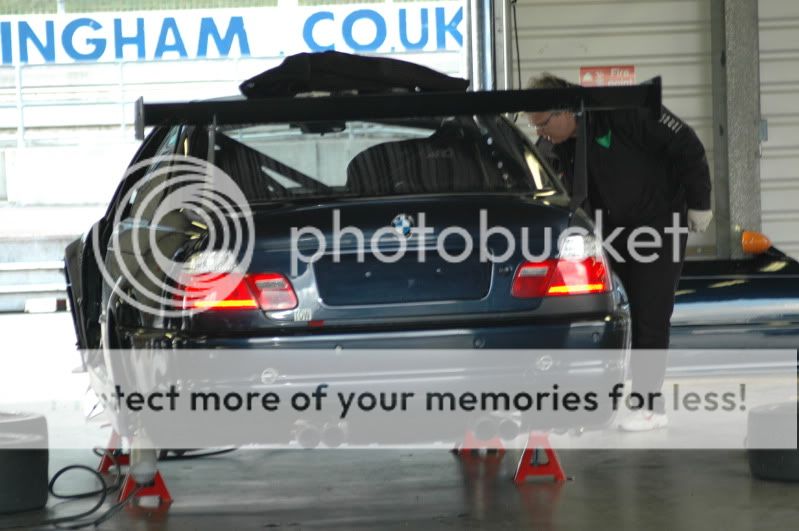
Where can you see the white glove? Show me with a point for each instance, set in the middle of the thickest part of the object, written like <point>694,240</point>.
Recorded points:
<point>698,220</point>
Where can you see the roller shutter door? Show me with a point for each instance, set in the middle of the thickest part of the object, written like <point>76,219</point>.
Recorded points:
<point>666,38</point>
<point>779,101</point>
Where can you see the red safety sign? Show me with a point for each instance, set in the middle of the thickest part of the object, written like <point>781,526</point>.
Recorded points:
<point>607,76</point>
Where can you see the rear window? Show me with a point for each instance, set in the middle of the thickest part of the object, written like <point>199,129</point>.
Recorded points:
<point>368,159</point>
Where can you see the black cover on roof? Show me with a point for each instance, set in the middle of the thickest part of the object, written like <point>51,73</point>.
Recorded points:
<point>337,71</point>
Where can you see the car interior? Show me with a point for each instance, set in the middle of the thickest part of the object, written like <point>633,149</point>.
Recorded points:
<point>455,158</point>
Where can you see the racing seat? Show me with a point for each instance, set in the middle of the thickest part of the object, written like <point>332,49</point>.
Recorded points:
<point>445,162</point>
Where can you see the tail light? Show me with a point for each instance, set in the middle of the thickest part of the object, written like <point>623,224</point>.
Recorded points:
<point>581,269</point>
<point>216,291</point>
<point>234,291</point>
<point>273,291</point>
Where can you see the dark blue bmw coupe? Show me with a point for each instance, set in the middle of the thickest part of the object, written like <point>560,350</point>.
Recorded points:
<point>385,208</point>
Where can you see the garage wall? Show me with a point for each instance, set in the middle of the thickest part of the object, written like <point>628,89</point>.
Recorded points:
<point>667,38</point>
<point>779,101</point>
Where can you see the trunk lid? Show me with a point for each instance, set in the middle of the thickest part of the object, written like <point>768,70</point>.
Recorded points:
<point>376,276</point>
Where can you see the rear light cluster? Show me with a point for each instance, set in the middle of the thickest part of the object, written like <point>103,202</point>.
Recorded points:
<point>207,282</point>
<point>581,269</point>
<point>234,291</point>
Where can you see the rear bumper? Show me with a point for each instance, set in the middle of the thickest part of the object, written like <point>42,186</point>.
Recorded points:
<point>607,332</point>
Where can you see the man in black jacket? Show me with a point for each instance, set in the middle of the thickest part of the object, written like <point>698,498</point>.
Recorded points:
<point>642,172</point>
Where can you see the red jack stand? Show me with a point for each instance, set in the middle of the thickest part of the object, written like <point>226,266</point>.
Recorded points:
<point>472,443</point>
<point>526,467</point>
<point>157,488</point>
<point>115,448</point>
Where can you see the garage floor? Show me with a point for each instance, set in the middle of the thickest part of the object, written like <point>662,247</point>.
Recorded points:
<point>339,489</point>
<point>382,489</point>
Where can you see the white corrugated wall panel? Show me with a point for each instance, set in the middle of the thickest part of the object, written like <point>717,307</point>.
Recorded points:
<point>779,102</point>
<point>661,38</point>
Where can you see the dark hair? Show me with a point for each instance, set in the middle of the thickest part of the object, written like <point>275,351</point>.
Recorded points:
<point>548,81</point>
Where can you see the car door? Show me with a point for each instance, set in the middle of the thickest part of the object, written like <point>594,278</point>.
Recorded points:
<point>750,304</point>
<point>136,236</point>
<point>81,261</point>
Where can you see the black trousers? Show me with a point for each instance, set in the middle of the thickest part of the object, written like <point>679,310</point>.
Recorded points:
<point>650,287</point>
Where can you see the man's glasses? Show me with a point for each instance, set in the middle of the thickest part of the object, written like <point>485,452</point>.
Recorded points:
<point>543,124</point>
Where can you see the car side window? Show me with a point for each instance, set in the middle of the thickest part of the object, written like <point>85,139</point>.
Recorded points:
<point>519,142</point>
<point>147,193</point>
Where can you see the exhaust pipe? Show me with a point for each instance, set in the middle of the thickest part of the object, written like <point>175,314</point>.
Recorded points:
<point>334,434</point>
<point>509,429</point>
<point>306,434</point>
<point>485,428</point>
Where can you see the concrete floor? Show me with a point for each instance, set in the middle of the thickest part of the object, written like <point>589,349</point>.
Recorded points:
<point>381,489</point>
<point>339,489</point>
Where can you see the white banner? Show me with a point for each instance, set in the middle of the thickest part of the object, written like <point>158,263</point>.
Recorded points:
<point>231,32</point>
<point>420,398</point>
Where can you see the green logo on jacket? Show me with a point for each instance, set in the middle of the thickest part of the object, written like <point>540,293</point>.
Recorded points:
<point>604,141</point>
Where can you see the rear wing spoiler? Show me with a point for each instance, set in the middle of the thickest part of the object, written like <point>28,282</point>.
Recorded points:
<point>647,96</point>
